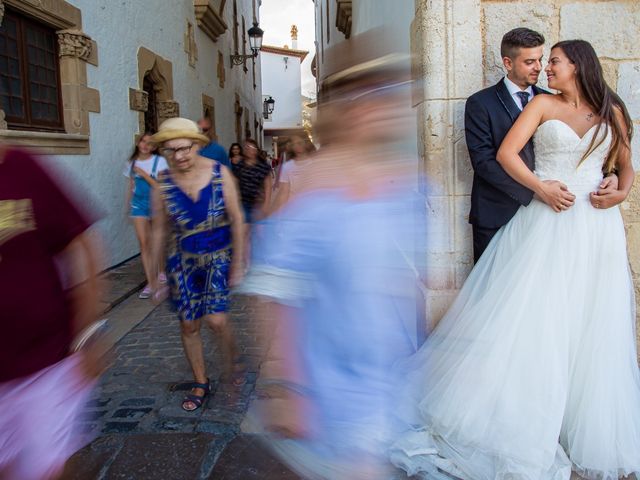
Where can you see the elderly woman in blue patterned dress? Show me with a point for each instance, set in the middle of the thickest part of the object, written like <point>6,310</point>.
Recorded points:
<point>198,213</point>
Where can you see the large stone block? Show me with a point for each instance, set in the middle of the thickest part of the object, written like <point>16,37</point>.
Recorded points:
<point>635,147</point>
<point>500,17</point>
<point>466,48</point>
<point>610,71</point>
<point>437,305</point>
<point>451,47</point>
<point>462,232</point>
<point>629,86</point>
<point>633,247</point>
<point>463,169</point>
<point>439,224</point>
<point>613,28</point>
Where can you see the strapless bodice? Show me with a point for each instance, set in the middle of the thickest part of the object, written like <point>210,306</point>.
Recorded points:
<point>559,149</point>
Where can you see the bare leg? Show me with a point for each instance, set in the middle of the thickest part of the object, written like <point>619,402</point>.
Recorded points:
<point>142,226</point>
<point>161,259</point>
<point>226,340</point>
<point>192,343</point>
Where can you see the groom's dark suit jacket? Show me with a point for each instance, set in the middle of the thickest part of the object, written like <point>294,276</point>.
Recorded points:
<point>495,196</point>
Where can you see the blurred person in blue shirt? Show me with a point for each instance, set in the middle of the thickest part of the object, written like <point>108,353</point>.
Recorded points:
<point>213,149</point>
<point>333,275</point>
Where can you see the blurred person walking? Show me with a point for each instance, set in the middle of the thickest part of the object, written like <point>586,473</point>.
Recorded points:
<point>49,294</point>
<point>293,171</point>
<point>336,293</point>
<point>255,182</point>
<point>199,217</point>
<point>235,153</point>
<point>142,171</point>
<point>212,150</point>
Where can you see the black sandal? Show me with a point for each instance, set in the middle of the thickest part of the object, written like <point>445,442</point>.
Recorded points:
<point>197,400</point>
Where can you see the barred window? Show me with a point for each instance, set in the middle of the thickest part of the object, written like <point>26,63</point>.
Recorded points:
<point>29,74</point>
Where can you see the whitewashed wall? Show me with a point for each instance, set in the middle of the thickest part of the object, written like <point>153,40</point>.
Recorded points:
<point>457,42</point>
<point>120,29</point>
<point>281,81</point>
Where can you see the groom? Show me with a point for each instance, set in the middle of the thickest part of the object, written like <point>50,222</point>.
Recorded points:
<point>488,116</point>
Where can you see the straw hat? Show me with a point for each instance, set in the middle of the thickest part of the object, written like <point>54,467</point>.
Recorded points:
<point>177,127</point>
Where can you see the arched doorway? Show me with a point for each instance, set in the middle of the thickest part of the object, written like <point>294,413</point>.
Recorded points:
<point>151,115</point>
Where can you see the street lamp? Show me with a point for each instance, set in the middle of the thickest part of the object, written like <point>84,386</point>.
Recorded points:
<point>267,106</point>
<point>255,42</point>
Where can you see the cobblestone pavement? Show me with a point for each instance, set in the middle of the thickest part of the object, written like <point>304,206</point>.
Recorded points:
<point>135,416</point>
<point>142,431</point>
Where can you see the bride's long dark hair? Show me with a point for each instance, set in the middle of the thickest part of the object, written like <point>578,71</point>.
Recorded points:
<point>594,90</point>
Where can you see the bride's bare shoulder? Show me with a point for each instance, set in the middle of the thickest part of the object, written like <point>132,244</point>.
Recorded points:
<point>544,100</point>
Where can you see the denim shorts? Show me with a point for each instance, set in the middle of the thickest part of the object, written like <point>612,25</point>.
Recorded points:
<point>140,207</point>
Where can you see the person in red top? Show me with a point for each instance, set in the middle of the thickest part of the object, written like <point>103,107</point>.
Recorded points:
<point>43,385</point>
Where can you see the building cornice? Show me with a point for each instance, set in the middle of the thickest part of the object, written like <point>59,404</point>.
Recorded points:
<point>287,52</point>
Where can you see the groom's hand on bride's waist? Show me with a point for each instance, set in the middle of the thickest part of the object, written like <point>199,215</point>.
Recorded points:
<point>607,195</point>
<point>556,195</point>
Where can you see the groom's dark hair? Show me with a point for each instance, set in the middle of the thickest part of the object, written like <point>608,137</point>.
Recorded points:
<point>519,38</point>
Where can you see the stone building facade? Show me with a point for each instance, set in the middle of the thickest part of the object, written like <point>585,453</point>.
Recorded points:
<point>122,68</point>
<point>456,50</point>
<point>457,53</point>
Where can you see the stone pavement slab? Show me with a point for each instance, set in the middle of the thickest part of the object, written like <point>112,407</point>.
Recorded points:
<point>122,281</point>
<point>246,458</point>
<point>135,416</point>
<point>136,398</point>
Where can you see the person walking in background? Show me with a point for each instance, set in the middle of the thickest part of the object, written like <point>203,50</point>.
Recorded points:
<point>49,294</point>
<point>337,294</point>
<point>142,171</point>
<point>255,181</point>
<point>199,217</point>
<point>212,149</point>
<point>235,153</point>
<point>293,171</point>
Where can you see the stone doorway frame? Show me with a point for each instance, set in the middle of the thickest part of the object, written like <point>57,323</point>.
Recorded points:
<point>160,72</point>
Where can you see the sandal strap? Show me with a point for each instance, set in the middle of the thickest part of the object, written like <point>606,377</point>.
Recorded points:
<point>205,386</point>
<point>196,399</point>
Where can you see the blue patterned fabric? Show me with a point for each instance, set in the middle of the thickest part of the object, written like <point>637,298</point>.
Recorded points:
<point>199,248</point>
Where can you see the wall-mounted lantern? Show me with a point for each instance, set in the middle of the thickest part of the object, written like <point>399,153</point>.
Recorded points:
<point>255,42</point>
<point>267,107</point>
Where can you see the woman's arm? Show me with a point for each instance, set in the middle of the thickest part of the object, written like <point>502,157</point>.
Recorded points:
<point>626,175</point>
<point>234,211</point>
<point>265,208</point>
<point>281,197</point>
<point>147,178</point>
<point>128,197</point>
<point>554,194</point>
<point>84,260</point>
<point>158,237</point>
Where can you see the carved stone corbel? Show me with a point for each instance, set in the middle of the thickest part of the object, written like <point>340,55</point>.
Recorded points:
<point>74,43</point>
<point>210,19</point>
<point>167,109</point>
<point>138,100</point>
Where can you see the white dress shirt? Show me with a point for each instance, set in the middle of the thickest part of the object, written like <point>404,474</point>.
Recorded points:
<point>514,89</point>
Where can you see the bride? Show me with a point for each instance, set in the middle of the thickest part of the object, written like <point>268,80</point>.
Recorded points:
<point>532,373</point>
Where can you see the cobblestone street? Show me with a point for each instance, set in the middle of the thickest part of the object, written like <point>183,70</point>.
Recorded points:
<point>135,417</point>
<point>142,431</point>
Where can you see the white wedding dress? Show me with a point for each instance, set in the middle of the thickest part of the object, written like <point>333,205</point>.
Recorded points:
<point>533,372</point>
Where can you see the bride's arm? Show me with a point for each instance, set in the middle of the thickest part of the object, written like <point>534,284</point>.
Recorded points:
<point>626,175</point>
<point>554,194</point>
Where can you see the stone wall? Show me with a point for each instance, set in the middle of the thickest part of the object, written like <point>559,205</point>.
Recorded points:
<point>457,46</point>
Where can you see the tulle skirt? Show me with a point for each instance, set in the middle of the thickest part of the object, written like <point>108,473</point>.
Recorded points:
<point>533,370</point>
